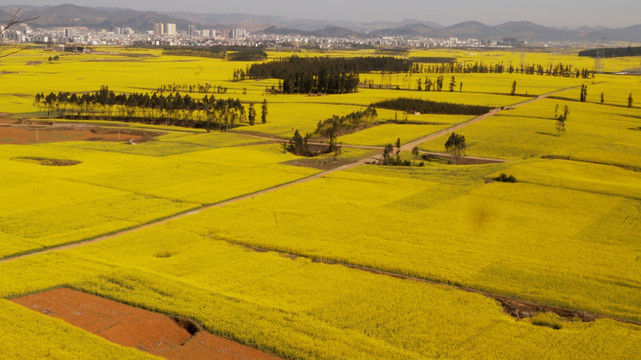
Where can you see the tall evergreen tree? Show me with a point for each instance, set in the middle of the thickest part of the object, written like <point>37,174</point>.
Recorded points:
<point>455,145</point>
<point>251,114</point>
<point>263,115</point>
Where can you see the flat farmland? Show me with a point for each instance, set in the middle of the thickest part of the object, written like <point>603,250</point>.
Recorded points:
<point>333,256</point>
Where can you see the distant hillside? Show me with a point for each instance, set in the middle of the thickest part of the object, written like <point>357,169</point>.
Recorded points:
<point>332,31</point>
<point>105,18</point>
<point>72,15</point>
<point>417,29</point>
<point>473,29</point>
<point>632,34</point>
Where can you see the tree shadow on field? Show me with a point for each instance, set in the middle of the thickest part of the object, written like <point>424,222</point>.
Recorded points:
<point>546,133</point>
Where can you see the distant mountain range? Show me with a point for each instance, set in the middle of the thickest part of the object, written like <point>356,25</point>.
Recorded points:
<point>105,18</point>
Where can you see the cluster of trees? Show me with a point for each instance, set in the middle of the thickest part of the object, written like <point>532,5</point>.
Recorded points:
<point>431,60</point>
<point>341,125</point>
<point>279,69</point>
<point>321,74</point>
<point>390,160</point>
<point>612,52</point>
<point>173,109</point>
<point>560,119</point>
<point>192,88</point>
<point>499,68</point>
<point>505,178</point>
<point>247,55</point>
<point>323,82</point>
<point>455,146</point>
<point>299,145</point>
<point>584,93</point>
<point>206,52</point>
<point>230,53</point>
<point>432,107</point>
<point>429,85</point>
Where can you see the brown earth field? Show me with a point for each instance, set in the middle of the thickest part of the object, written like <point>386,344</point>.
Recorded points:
<point>160,335</point>
<point>33,134</point>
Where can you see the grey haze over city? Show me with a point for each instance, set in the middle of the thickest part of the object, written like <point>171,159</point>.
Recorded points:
<point>565,13</point>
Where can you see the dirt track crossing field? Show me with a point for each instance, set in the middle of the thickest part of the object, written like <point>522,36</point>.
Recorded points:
<point>406,147</point>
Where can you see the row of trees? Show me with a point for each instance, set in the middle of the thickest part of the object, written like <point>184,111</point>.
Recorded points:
<point>432,107</point>
<point>320,74</point>
<point>207,52</point>
<point>612,52</point>
<point>430,85</point>
<point>207,88</point>
<point>480,68</point>
<point>430,60</point>
<point>279,69</point>
<point>323,82</point>
<point>233,53</point>
<point>341,125</point>
<point>584,93</point>
<point>173,109</point>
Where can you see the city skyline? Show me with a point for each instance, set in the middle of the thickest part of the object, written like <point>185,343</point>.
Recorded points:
<point>571,13</point>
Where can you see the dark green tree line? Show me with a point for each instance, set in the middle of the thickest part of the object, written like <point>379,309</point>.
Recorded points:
<point>173,109</point>
<point>432,107</point>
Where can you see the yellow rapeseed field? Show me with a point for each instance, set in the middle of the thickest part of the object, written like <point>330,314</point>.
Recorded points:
<point>297,272</point>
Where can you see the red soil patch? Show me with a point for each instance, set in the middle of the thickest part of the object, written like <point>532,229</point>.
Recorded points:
<point>47,134</point>
<point>171,338</point>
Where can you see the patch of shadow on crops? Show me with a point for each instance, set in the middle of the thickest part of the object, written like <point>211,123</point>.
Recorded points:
<point>547,133</point>
<point>522,309</point>
<point>34,62</point>
<point>163,254</point>
<point>112,60</point>
<point>321,164</point>
<point>46,161</point>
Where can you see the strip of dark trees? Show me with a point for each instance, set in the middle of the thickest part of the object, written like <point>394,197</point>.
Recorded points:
<point>612,52</point>
<point>206,52</point>
<point>234,53</point>
<point>433,60</point>
<point>174,109</point>
<point>192,88</point>
<point>432,107</point>
<point>247,55</point>
<point>330,128</point>
<point>480,68</point>
<point>341,125</point>
<point>321,74</point>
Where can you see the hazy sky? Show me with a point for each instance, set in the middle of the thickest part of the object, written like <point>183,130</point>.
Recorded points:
<point>572,13</point>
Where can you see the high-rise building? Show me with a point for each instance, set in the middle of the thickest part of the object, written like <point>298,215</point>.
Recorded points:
<point>191,30</point>
<point>159,29</point>
<point>171,29</point>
